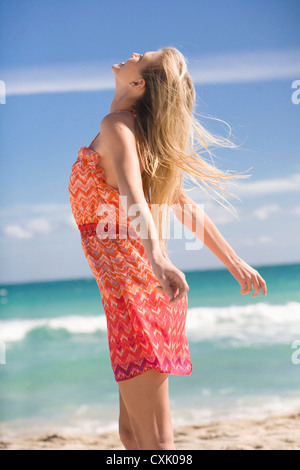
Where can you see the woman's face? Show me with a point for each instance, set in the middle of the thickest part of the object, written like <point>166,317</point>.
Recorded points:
<point>127,72</point>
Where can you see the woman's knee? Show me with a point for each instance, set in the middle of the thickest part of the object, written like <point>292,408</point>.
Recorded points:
<point>155,443</point>
<point>127,438</point>
<point>149,436</point>
<point>144,440</point>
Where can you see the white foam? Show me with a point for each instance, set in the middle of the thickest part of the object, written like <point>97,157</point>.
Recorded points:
<point>247,407</point>
<point>16,330</point>
<point>247,324</point>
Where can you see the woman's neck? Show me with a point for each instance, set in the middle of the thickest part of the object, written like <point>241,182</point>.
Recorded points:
<point>121,102</point>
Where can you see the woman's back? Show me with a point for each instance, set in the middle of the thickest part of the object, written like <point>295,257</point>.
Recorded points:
<point>105,162</point>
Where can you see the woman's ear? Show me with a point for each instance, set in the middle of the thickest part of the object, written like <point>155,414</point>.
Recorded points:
<point>138,84</point>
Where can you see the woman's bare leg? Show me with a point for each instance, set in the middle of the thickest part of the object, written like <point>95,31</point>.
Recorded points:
<point>146,398</point>
<point>125,429</point>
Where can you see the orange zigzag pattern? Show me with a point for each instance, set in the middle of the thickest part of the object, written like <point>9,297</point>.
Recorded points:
<point>144,330</point>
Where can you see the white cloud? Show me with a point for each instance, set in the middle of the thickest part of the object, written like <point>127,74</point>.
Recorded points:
<point>264,212</point>
<point>59,218</point>
<point>295,211</point>
<point>219,214</point>
<point>71,221</point>
<point>18,210</point>
<point>246,67</point>
<point>28,229</point>
<point>261,240</point>
<point>40,225</point>
<point>16,231</point>
<point>226,68</point>
<point>59,78</point>
<point>270,186</point>
<point>244,191</point>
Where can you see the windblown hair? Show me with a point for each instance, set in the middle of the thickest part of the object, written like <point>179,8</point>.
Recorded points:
<point>170,139</point>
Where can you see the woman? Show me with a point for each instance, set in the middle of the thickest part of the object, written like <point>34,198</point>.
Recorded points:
<point>135,162</point>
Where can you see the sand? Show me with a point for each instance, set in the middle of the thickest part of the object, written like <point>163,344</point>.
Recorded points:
<point>271,433</point>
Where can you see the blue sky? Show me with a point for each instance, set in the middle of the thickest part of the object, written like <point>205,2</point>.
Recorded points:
<point>55,59</point>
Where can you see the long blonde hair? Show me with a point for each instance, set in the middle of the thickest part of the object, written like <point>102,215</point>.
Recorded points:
<point>170,139</point>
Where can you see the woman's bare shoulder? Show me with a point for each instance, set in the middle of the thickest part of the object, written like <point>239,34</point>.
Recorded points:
<point>120,117</point>
<point>117,129</point>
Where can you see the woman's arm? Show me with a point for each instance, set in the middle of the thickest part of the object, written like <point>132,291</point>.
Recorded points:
<point>192,217</point>
<point>198,222</point>
<point>118,141</point>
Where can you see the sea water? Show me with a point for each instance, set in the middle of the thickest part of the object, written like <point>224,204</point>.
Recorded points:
<point>57,374</point>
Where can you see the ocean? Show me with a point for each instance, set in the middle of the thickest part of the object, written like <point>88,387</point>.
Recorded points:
<point>56,375</point>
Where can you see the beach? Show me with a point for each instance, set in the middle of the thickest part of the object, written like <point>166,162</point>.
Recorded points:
<point>271,433</point>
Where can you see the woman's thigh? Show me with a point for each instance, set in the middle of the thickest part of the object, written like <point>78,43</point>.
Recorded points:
<point>146,398</point>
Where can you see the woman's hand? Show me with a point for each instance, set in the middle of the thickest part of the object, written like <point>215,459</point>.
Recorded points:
<point>171,280</point>
<point>247,277</point>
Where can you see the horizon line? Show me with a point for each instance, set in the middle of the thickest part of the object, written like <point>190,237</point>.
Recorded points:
<point>91,278</point>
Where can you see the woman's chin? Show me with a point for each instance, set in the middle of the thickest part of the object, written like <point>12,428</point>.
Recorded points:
<point>116,66</point>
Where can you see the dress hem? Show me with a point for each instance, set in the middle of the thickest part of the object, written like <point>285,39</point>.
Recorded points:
<point>131,370</point>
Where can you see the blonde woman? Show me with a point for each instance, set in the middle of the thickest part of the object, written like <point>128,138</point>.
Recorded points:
<point>136,163</point>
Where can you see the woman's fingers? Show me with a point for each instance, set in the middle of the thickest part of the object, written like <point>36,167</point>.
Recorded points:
<point>248,278</point>
<point>256,285</point>
<point>255,281</point>
<point>166,288</point>
<point>246,285</point>
<point>171,289</point>
<point>263,285</point>
<point>171,280</point>
<point>183,289</point>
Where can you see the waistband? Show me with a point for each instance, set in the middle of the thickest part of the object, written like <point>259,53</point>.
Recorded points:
<point>87,230</point>
<point>90,230</point>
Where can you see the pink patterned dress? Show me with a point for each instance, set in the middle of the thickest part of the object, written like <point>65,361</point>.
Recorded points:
<point>144,330</point>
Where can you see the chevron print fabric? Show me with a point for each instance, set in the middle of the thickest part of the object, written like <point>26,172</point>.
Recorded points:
<point>144,330</point>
